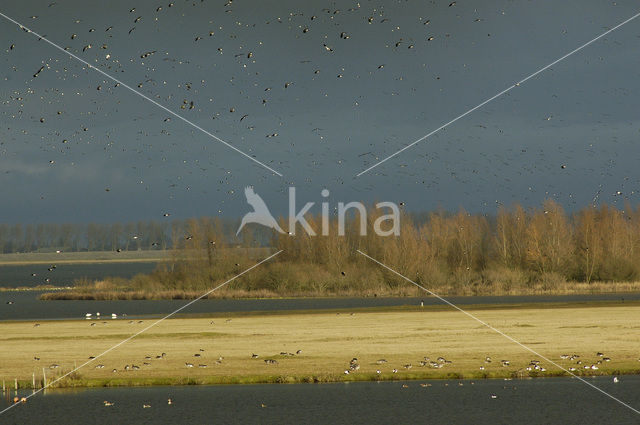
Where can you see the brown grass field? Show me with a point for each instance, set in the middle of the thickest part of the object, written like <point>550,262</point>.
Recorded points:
<point>328,340</point>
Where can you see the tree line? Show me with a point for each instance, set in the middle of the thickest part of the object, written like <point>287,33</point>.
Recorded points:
<point>515,247</point>
<point>140,235</point>
<point>517,250</point>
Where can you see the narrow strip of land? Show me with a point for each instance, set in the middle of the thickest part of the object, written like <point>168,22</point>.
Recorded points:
<point>322,346</point>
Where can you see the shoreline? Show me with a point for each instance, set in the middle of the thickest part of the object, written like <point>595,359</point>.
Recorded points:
<point>74,293</point>
<point>306,379</point>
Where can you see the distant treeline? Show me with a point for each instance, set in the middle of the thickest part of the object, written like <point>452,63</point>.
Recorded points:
<point>70,237</point>
<point>516,251</point>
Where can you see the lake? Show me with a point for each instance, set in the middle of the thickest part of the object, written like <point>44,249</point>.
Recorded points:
<point>26,306</point>
<point>531,401</point>
<point>65,274</point>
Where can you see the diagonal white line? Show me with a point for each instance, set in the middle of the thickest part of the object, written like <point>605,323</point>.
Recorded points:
<point>499,94</point>
<point>213,136</point>
<point>147,328</point>
<point>498,331</point>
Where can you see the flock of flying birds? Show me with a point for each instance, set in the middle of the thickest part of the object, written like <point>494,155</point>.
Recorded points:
<point>270,85</point>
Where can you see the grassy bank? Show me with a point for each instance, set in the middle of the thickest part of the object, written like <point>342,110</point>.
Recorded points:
<point>107,291</point>
<point>327,342</point>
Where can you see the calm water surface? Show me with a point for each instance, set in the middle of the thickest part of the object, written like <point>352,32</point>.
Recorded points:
<point>26,306</point>
<point>533,401</point>
<point>65,274</point>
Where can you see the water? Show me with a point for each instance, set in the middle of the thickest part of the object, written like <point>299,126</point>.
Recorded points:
<point>65,274</point>
<point>532,401</point>
<point>26,306</point>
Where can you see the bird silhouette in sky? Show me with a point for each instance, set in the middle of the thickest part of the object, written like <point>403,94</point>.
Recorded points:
<point>260,213</point>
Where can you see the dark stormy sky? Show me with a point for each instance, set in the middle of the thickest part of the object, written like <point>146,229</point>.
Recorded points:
<point>363,79</point>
